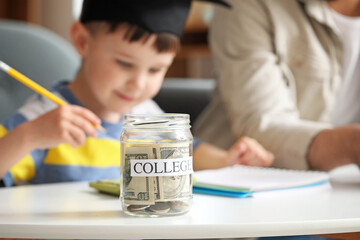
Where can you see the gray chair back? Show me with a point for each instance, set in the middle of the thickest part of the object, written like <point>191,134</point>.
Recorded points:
<point>185,95</point>
<point>37,53</point>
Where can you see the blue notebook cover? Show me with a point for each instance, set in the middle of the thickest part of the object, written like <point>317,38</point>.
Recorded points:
<point>222,193</point>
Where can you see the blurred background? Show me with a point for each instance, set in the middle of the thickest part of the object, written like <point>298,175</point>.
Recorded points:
<point>193,61</point>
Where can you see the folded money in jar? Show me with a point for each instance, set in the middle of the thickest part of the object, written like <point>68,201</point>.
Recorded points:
<point>156,165</point>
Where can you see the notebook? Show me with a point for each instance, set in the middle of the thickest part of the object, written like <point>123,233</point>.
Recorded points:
<point>243,181</point>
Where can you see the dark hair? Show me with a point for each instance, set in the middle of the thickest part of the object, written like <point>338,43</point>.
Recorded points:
<point>165,42</point>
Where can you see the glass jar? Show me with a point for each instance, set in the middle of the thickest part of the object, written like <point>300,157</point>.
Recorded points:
<point>156,164</point>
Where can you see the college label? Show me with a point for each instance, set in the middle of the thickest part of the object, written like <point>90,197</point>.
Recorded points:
<point>161,167</point>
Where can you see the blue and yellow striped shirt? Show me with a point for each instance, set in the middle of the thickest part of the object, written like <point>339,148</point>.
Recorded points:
<point>98,159</point>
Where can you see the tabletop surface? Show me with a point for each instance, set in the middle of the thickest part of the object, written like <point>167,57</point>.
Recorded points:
<point>74,210</point>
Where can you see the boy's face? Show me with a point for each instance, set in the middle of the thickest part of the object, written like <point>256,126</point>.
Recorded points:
<point>120,75</point>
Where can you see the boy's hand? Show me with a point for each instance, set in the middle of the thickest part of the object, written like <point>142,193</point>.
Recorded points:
<point>65,124</point>
<point>248,151</point>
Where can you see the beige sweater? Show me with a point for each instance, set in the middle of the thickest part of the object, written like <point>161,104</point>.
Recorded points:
<point>278,66</point>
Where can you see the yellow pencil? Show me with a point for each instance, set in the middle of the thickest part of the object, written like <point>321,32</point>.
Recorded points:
<point>36,87</point>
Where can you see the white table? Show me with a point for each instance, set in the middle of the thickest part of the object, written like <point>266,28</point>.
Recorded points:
<point>74,210</point>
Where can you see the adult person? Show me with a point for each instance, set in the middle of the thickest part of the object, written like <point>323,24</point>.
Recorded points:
<point>288,75</point>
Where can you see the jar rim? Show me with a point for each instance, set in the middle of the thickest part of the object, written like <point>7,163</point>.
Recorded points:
<point>162,120</point>
<point>160,115</point>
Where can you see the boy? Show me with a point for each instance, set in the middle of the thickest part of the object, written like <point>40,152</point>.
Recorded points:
<point>126,48</point>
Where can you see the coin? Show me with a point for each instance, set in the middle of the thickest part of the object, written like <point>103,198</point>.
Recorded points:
<point>134,208</point>
<point>179,206</point>
<point>160,207</point>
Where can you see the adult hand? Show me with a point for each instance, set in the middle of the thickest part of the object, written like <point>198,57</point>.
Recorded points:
<point>335,147</point>
<point>248,151</point>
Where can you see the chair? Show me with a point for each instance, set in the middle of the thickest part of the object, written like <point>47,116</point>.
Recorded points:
<point>36,52</point>
<point>185,95</point>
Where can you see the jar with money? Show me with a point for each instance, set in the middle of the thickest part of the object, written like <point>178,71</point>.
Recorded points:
<point>156,164</point>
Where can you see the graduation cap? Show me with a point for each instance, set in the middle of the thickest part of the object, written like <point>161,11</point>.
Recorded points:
<point>156,16</point>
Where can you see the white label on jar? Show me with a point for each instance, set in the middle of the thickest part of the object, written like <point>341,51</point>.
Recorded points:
<point>161,167</point>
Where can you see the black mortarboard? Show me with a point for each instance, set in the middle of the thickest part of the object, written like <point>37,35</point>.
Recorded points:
<point>156,16</point>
